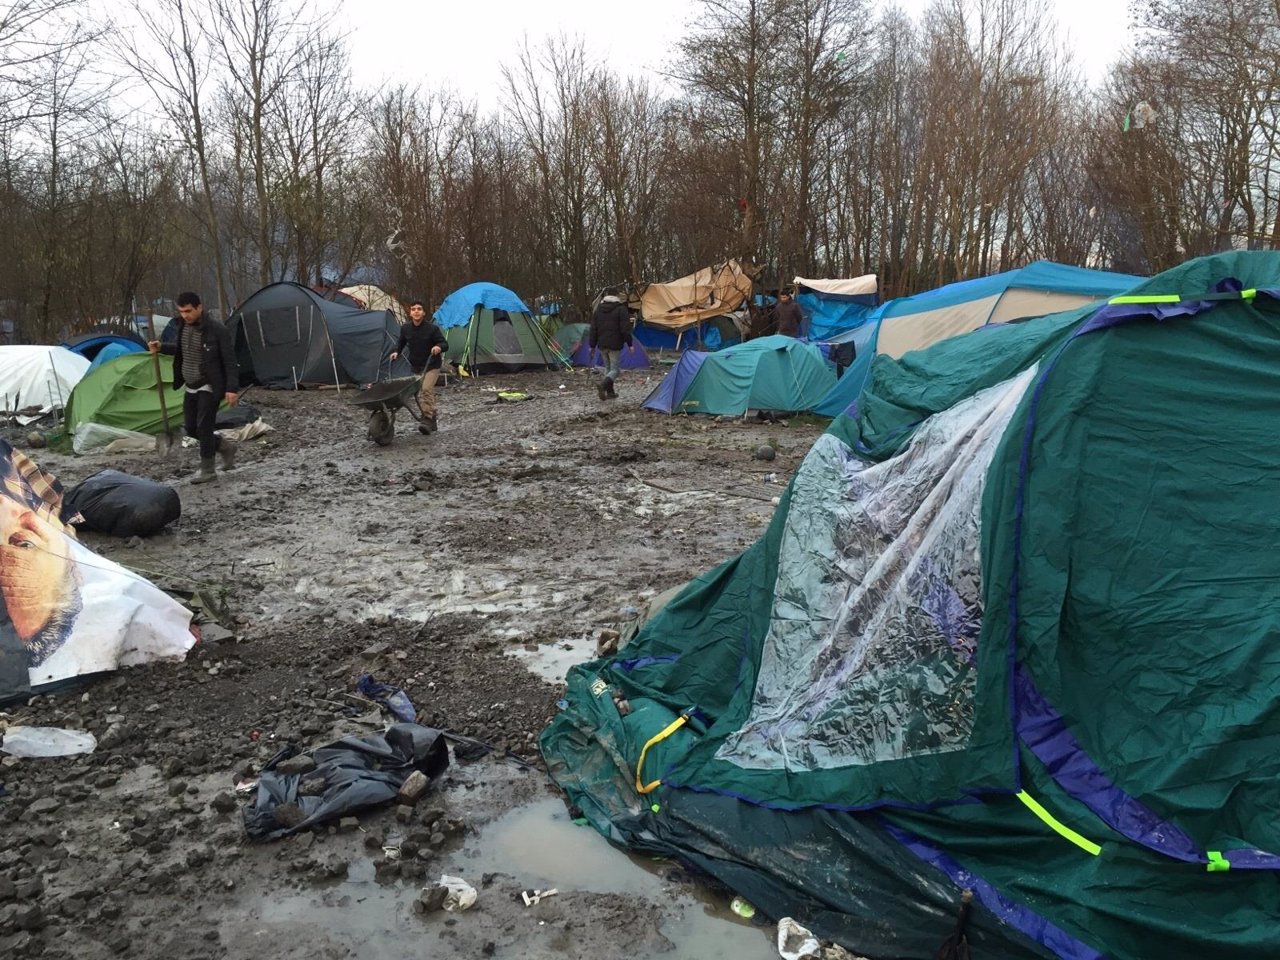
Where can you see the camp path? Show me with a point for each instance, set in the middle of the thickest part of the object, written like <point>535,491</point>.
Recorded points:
<point>468,568</point>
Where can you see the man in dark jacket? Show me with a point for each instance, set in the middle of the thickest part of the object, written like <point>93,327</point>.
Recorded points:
<point>610,331</point>
<point>204,365</point>
<point>787,315</point>
<point>426,343</point>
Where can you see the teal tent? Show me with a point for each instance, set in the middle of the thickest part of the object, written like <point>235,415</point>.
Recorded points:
<point>770,373</point>
<point>1012,630</point>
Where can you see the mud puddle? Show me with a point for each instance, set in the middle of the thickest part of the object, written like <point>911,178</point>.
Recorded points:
<point>552,661</point>
<point>540,847</point>
<point>532,846</point>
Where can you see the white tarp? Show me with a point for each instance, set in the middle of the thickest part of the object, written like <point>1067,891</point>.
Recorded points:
<point>851,287</point>
<point>64,610</point>
<point>375,298</point>
<point>38,377</point>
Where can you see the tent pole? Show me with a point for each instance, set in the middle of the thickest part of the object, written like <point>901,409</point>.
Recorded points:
<point>333,357</point>
<point>61,403</point>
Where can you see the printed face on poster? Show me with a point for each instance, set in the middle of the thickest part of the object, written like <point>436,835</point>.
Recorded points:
<point>64,610</point>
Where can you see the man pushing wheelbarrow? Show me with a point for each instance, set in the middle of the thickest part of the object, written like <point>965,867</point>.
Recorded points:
<point>426,344</point>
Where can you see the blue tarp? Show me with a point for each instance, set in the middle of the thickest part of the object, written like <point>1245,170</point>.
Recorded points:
<point>458,306</point>
<point>113,350</point>
<point>826,317</point>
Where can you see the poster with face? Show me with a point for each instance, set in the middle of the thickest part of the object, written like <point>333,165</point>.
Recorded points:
<point>66,612</point>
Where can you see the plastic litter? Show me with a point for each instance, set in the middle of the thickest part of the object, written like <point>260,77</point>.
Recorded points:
<point>395,700</point>
<point>123,505</point>
<point>459,895</point>
<point>743,908</point>
<point>91,436</point>
<point>47,742</point>
<point>531,897</point>
<point>796,942</point>
<point>359,772</point>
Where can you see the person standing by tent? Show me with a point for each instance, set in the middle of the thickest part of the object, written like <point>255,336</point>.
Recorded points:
<point>787,315</point>
<point>204,363</point>
<point>610,331</point>
<point>426,343</point>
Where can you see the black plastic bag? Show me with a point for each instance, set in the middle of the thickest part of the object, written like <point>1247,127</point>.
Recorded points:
<point>358,772</point>
<point>122,505</point>
<point>237,416</point>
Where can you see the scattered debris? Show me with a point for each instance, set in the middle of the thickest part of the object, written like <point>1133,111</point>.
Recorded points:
<point>395,700</point>
<point>46,742</point>
<point>765,452</point>
<point>607,643</point>
<point>459,894</point>
<point>743,908</point>
<point>531,897</point>
<point>796,942</point>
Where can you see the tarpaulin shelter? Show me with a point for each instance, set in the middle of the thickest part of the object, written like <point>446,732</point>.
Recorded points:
<point>769,373</point>
<point>490,330</point>
<point>287,334</point>
<point>66,612</point>
<point>38,376</point>
<point>121,393</point>
<point>680,304</point>
<point>912,323</point>
<point>1011,630</point>
<point>574,342</point>
<point>831,307</point>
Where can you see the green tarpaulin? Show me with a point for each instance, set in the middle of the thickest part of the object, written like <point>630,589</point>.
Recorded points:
<point>1012,630</point>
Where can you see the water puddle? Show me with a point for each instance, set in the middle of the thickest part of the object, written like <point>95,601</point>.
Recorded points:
<point>538,846</point>
<point>541,847</point>
<point>552,661</point>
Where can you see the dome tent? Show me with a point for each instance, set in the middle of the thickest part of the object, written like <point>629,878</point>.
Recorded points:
<point>490,330</point>
<point>286,335</point>
<point>1010,631</point>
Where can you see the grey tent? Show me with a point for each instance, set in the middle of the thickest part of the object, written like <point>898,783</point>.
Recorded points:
<point>287,334</point>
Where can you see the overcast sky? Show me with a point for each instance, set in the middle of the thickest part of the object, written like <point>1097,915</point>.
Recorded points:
<point>462,43</point>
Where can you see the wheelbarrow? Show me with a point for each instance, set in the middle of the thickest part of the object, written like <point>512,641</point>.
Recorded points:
<point>383,400</point>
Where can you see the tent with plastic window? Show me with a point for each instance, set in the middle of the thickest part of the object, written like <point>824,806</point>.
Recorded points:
<point>1011,631</point>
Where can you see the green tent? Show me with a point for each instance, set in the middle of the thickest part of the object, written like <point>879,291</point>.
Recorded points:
<point>1012,630</point>
<point>122,393</point>
<point>769,373</point>
<point>490,330</point>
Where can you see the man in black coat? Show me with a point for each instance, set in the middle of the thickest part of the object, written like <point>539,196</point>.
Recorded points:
<point>204,365</point>
<point>610,331</point>
<point>426,343</point>
<point>788,316</point>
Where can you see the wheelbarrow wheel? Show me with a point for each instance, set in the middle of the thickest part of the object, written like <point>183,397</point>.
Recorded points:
<point>382,428</point>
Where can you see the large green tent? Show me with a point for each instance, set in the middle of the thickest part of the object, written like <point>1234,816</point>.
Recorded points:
<point>1014,629</point>
<point>490,330</point>
<point>122,393</point>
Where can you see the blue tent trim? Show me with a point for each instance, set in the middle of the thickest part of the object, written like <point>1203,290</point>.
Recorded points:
<point>666,395</point>
<point>457,308</point>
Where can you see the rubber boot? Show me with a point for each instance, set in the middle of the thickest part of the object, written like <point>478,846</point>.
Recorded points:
<point>227,453</point>
<point>601,390</point>
<point>608,389</point>
<point>206,473</point>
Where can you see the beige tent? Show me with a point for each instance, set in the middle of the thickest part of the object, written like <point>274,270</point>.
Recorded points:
<point>680,304</point>
<point>375,298</point>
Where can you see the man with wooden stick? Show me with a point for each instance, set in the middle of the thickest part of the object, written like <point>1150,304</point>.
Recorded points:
<point>204,365</point>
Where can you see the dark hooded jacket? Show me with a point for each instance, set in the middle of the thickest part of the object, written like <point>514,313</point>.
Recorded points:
<point>611,325</point>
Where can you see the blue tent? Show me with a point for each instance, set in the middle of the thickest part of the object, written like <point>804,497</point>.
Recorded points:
<point>459,306</point>
<point>91,346</point>
<point>912,323</point>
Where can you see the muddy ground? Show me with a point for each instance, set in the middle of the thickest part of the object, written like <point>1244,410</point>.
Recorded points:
<point>469,568</point>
